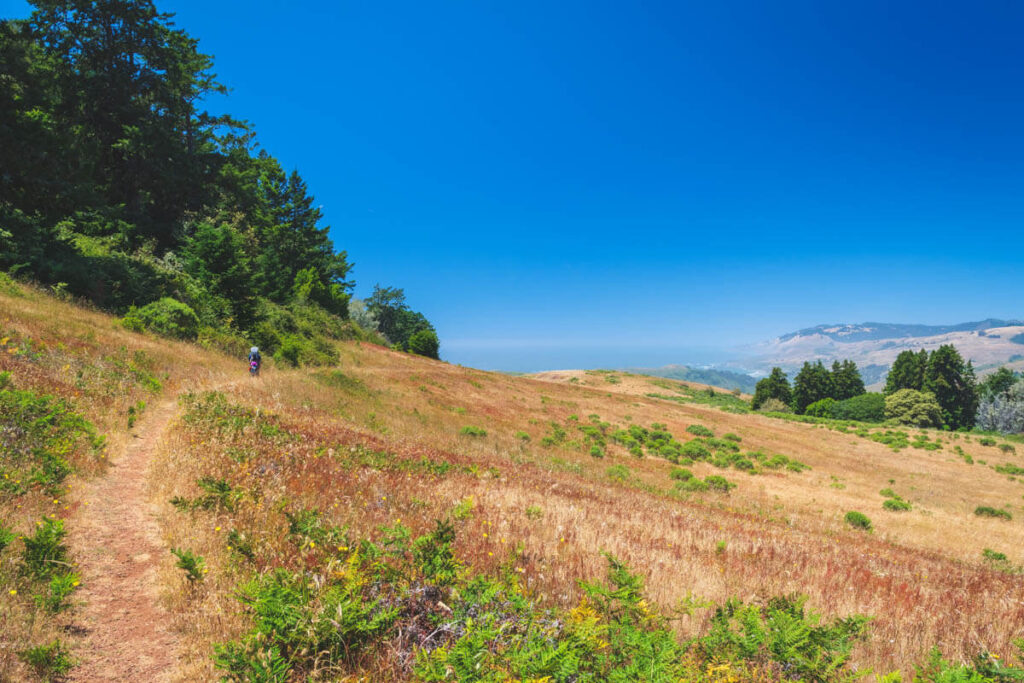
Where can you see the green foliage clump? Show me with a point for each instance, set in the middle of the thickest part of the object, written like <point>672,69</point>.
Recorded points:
<point>472,430</point>
<point>732,437</point>
<point>823,408</point>
<point>167,317</point>
<point>774,387</point>
<point>619,473</point>
<point>987,441</point>
<point>522,436</point>
<point>986,511</point>
<point>784,633</point>
<point>896,505</point>
<point>52,660</point>
<point>39,437</point>
<point>913,408</point>
<point>680,473</point>
<point>425,343</point>
<point>858,520</point>
<point>867,407</point>
<point>719,483</point>
<point>192,564</point>
<point>699,430</point>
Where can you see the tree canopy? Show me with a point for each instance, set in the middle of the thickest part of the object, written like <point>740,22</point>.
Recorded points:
<point>119,183</point>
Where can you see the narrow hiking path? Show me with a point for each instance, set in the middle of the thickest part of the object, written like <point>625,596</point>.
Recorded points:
<point>115,536</point>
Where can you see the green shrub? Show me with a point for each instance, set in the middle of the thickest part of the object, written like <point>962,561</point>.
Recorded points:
<point>290,351</point>
<point>50,660</point>
<point>1007,448</point>
<point>986,511</point>
<point>699,430</point>
<point>618,473</point>
<point>695,450</point>
<point>680,473</point>
<point>987,441</point>
<point>471,430</point>
<point>914,408</point>
<point>45,554</point>
<point>718,483</point>
<point>522,436</point>
<point>896,505</point>
<point>193,565</point>
<point>732,437</point>
<point>168,317</point>
<point>425,343</point>
<point>596,451</point>
<point>858,520</point>
<point>692,485</point>
<point>869,407</point>
<point>784,633</point>
<point>822,408</point>
<point>58,590</point>
<point>534,512</point>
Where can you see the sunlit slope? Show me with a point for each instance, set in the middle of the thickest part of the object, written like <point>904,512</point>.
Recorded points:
<point>777,532</point>
<point>386,438</point>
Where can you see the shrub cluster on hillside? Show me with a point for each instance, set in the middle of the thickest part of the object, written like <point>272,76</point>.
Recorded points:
<point>119,188</point>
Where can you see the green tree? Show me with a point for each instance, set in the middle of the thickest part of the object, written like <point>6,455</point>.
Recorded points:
<point>775,385</point>
<point>386,304</point>
<point>952,382</point>
<point>811,384</point>
<point>907,372</point>
<point>997,383</point>
<point>846,380</point>
<point>425,343</point>
<point>215,255</point>
<point>914,408</point>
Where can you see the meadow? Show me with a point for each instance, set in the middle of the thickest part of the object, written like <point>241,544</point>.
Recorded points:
<point>394,517</point>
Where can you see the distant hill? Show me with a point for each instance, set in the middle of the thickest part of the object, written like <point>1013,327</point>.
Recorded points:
<point>727,379</point>
<point>989,343</point>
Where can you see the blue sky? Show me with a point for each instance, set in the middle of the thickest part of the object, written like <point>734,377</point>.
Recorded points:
<point>609,184</point>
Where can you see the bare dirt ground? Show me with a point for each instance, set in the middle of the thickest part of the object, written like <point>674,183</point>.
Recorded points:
<point>126,634</point>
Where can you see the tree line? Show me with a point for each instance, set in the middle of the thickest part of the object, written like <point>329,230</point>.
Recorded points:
<point>926,389</point>
<point>119,187</point>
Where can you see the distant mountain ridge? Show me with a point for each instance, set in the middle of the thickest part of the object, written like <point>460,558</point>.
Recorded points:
<point>843,332</point>
<point>726,379</point>
<point>988,343</point>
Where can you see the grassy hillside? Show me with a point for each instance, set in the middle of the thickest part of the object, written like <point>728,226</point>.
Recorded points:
<point>304,510</point>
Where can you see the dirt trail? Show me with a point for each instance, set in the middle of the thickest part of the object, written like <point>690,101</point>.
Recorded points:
<point>116,538</point>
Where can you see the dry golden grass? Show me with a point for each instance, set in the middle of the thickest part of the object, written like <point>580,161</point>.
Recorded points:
<point>919,573</point>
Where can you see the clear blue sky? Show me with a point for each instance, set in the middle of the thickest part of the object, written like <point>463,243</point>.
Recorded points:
<point>608,184</point>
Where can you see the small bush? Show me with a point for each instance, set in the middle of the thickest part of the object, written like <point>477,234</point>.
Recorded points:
<point>718,483</point>
<point>986,511</point>
<point>193,565</point>
<point>858,520</point>
<point>774,405</point>
<point>699,430</point>
<point>732,437</point>
<point>896,505</point>
<point>680,474</point>
<point>987,441</point>
<point>52,659</point>
<point>694,485</point>
<point>1007,448</point>
<point>45,553</point>
<point>534,512</point>
<point>596,451</point>
<point>471,430</point>
<point>618,473</point>
<point>823,408</point>
<point>167,317</point>
<point>522,436</point>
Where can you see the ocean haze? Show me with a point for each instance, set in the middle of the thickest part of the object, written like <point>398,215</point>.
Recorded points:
<point>533,357</point>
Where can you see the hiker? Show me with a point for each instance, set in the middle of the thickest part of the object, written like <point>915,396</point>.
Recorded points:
<point>255,361</point>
